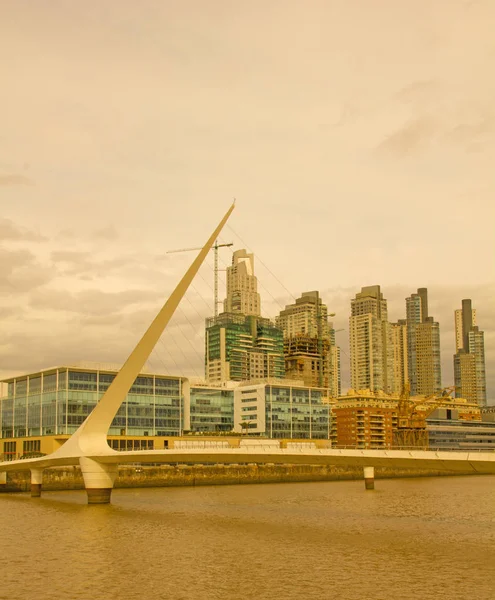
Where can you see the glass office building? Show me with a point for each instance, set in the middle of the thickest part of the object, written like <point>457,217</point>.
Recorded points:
<point>282,411</point>
<point>57,401</point>
<point>211,409</point>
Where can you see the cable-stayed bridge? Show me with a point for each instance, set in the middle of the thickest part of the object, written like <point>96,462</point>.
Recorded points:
<point>89,449</point>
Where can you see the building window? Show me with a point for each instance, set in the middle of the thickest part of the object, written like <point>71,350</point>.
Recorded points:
<point>31,446</point>
<point>9,450</point>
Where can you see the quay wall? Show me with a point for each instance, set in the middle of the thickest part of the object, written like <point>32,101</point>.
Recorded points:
<point>70,478</point>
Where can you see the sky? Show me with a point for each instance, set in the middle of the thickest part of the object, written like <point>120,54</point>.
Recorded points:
<point>357,137</point>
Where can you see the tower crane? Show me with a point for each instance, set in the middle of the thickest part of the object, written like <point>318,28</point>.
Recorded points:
<point>215,269</point>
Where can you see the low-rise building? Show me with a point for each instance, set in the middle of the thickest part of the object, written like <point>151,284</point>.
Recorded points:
<point>57,400</point>
<point>459,434</point>
<point>42,409</point>
<point>282,409</point>
<point>211,408</point>
<point>364,419</point>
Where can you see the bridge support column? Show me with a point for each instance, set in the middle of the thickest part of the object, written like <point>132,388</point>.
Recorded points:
<point>98,480</point>
<point>3,481</point>
<point>36,481</point>
<point>369,478</point>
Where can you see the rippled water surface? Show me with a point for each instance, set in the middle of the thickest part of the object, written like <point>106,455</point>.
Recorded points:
<point>411,538</point>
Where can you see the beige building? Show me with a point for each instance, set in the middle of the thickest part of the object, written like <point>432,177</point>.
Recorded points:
<point>307,316</point>
<point>309,343</point>
<point>242,286</point>
<point>469,359</point>
<point>398,339</point>
<point>370,342</point>
<point>423,339</point>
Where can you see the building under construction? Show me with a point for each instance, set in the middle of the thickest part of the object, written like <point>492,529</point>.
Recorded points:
<point>311,360</point>
<point>310,352</point>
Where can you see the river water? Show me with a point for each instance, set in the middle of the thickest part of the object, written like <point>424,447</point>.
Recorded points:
<point>415,538</point>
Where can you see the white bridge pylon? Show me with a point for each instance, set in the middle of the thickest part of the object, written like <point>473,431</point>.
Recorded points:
<point>89,449</point>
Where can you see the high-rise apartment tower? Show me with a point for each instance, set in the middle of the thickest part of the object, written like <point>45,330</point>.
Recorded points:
<point>423,346</point>
<point>369,334</point>
<point>398,340</point>
<point>469,359</point>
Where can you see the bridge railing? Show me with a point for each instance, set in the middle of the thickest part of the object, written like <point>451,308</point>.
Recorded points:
<point>422,448</point>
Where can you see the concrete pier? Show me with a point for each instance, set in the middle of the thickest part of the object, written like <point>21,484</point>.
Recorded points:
<point>36,481</point>
<point>3,480</point>
<point>98,480</point>
<point>369,478</point>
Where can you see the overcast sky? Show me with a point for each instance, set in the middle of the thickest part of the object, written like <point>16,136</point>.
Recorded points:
<point>358,137</point>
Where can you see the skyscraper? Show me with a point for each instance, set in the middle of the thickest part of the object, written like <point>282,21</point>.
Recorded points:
<point>458,322</point>
<point>242,286</point>
<point>469,359</point>
<point>240,344</point>
<point>398,337</point>
<point>423,346</point>
<point>309,343</point>
<point>369,333</point>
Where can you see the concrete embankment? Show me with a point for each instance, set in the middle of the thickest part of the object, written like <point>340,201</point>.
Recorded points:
<point>70,478</point>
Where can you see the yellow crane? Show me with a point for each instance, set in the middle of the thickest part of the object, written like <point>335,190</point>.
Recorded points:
<point>411,419</point>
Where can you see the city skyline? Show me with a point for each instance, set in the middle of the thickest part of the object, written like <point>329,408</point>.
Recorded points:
<point>184,365</point>
<point>362,139</point>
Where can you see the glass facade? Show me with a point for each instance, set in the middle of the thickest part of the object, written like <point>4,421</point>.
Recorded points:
<point>299,413</point>
<point>282,411</point>
<point>253,349</point>
<point>446,434</point>
<point>212,409</point>
<point>57,402</point>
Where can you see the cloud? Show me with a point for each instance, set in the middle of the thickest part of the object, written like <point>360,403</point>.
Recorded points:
<point>91,302</point>
<point>21,272</point>
<point>106,233</point>
<point>87,265</point>
<point>409,138</point>
<point>103,336</point>
<point>12,232</point>
<point>15,180</point>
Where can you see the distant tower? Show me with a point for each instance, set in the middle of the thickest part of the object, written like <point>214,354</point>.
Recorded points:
<point>309,343</point>
<point>371,351</point>
<point>242,286</point>
<point>423,341</point>
<point>469,359</point>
